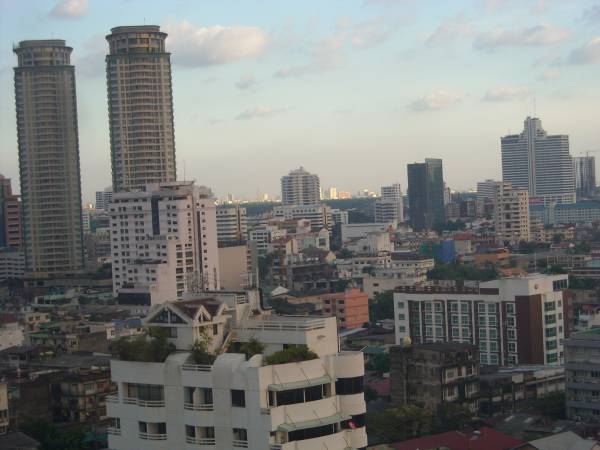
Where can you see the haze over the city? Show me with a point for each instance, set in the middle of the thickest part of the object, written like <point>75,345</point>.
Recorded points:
<point>351,90</point>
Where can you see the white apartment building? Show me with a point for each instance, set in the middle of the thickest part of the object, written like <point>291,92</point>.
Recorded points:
<point>389,207</point>
<point>582,373</point>
<point>318,214</point>
<point>234,402</point>
<point>163,242</point>
<point>232,225</point>
<point>300,188</point>
<point>373,242</point>
<point>512,320</point>
<point>511,214</point>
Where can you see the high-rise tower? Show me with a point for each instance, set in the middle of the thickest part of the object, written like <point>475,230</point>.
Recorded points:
<point>46,109</point>
<point>539,162</point>
<point>426,194</point>
<point>300,188</point>
<point>585,175</point>
<point>140,107</point>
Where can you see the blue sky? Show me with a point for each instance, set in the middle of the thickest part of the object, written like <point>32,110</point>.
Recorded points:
<point>350,89</point>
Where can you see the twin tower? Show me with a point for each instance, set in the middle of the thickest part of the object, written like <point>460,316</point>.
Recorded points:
<point>142,140</point>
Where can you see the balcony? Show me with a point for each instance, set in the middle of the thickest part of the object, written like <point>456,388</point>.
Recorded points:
<point>153,436</point>
<point>238,443</point>
<point>197,367</point>
<point>198,407</point>
<point>199,441</point>
<point>113,431</point>
<point>144,403</point>
<point>113,398</point>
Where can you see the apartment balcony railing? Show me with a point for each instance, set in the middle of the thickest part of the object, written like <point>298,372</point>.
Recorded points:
<point>240,444</point>
<point>153,436</point>
<point>265,410</point>
<point>275,447</point>
<point>282,325</point>
<point>144,403</point>
<point>113,398</point>
<point>113,431</point>
<point>200,441</point>
<point>200,407</point>
<point>197,367</point>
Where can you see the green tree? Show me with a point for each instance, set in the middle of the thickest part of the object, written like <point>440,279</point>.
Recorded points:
<point>200,353</point>
<point>51,438</point>
<point>379,363</point>
<point>252,347</point>
<point>399,424</point>
<point>382,306</point>
<point>461,272</point>
<point>452,416</point>
<point>552,405</point>
<point>370,394</point>
<point>291,354</point>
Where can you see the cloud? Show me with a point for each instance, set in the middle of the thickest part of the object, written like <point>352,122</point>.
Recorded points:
<point>91,63</point>
<point>550,74</point>
<point>70,9</point>
<point>436,100</point>
<point>261,112</point>
<point>450,29</point>
<point>507,93</point>
<point>592,14</point>
<point>369,33</point>
<point>245,82</point>
<point>588,54</point>
<point>533,36</point>
<point>195,46</point>
<point>324,55</point>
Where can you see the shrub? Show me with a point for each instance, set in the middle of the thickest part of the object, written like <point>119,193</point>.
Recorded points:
<point>142,349</point>
<point>200,352</point>
<point>291,354</point>
<point>252,347</point>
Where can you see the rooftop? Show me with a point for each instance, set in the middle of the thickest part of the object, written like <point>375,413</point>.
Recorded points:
<point>483,439</point>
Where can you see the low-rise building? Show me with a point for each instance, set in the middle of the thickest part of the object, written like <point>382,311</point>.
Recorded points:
<point>582,370</point>
<point>11,331</point>
<point>83,395</point>
<point>430,375</point>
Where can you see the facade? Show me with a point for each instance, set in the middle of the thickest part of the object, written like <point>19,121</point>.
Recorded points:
<point>236,267</point>
<point>320,215</point>
<point>389,207</point>
<point>83,395</point>
<point>430,375</point>
<point>540,163</point>
<point>300,188</point>
<point>232,225</point>
<point>585,175</point>
<point>12,263</point>
<point>511,320</point>
<point>580,213</point>
<point>11,231</point>
<point>46,108</point>
<point>140,107</point>
<point>511,214</point>
<point>582,373</point>
<point>234,402</point>
<point>103,198</point>
<point>426,194</point>
<point>486,190</point>
<point>164,242</point>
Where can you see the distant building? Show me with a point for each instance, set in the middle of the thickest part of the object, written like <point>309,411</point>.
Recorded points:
<point>83,395</point>
<point>300,188</point>
<point>580,213</point>
<point>140,107</point>
<point>232,225</point>
<point>540,163</point>
<point>333,193</point>
<point>12,263</point>
<point>511,214</point>
<point>582,367</point>
<point>486,190</point>
<point>426,194</point>
<point>46,109</point>
<point>511,320</point>
<point>430,375</point>
<point>320,215</point>
<point>11,231</point>
<point>389,207</point>
<point>103,198</point>
<point>585,175</point>
<point>11,331</point>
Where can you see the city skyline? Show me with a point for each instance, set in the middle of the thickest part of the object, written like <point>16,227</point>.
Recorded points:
<point>264,89</point>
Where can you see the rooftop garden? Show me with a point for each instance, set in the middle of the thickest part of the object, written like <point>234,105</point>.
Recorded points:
<point>153,347</point>
<point>291,354</point>
<point>250,348</point>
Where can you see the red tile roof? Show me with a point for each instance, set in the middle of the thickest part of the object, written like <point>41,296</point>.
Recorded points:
<point>488,439</point>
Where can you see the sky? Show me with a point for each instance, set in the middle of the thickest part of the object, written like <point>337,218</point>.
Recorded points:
<point>352,90</point>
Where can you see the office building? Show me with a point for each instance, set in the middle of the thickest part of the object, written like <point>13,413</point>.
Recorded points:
<point>319,215</point>
<point>232,226</point>
<point>103,198</point>
<point>164,242</point>
<point>511,214</point>
<point>140,107</point>
<point>431,375</point>
<point>540,163</point>
<point>389,207</point>
<point>46,107</point>
<point>234,402</point>
<point>486,190</point>
<point>426,194</point>
<point>10,216</point>
<point>585,175</point>
<point>512,321</point>
<point>300,188</point>
<point>582,373</point>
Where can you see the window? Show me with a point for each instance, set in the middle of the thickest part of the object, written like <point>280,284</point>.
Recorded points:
<point>511,334</point>
<point>493,333</point>
<point>464,308</point>
<point>349,386</point>
<point>511,321</point>
<point>512,347</point>
<point>482,333</point>
<point>510,308</point>
<point>400,305</point>
<point>171,332</point>
<point>401,317</point>
<point>215,330</point>
<point>240,434</point>
<point>238,398</point>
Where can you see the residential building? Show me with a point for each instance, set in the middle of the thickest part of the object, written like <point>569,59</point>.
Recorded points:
<point>164,242</point>
<point>426,194</point>
<point>83,395</point>
<point>430,375</point>
<point>234,402</point>
<point>11,231</point>
<point>320,215</point>
<point>11,331</point>
<point>232,226</point>
<point>582,373</point>
<point>389,207</point>
<point>580,213</point>
<point>511,215</point>
<point>104,198</point>
<point>486,190</point>
<point>300,188</point>
<point>12,263</point>
<point>237,270</point>
<point>140,107</point>
<point>303,271</point>
<point>333,193</point>
<point>540,163</point>
<point>351,231</point>
<point>512,320</point>
<point>585,175</point>
<point>46,109</point>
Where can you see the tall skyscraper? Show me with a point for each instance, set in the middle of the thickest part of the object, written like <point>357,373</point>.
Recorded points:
<point>426,194</point>
<point>539,162</point>
<point>300,188</point>
<point>389,207</point>
<point>48,157</point>
<point>585,175</point>
<point>140,107</point>
<point>10,216</point>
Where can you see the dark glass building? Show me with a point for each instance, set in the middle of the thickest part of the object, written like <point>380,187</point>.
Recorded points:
<point>426,194</point>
